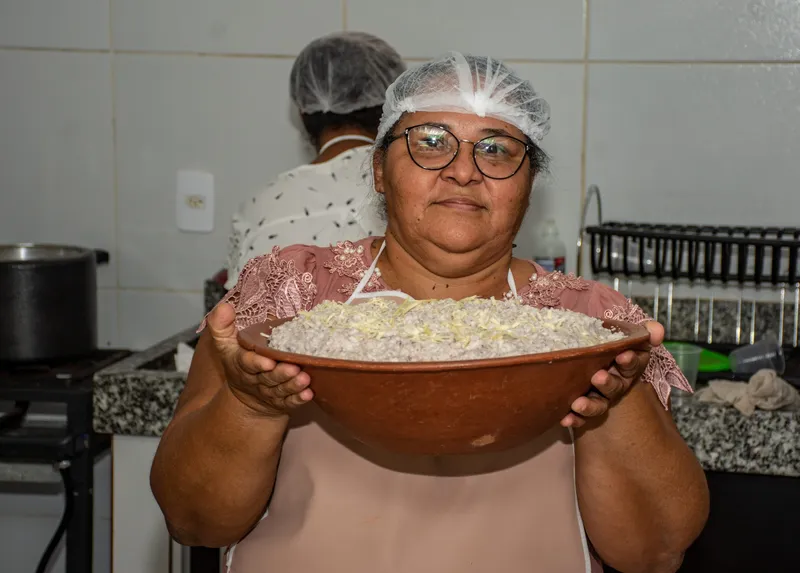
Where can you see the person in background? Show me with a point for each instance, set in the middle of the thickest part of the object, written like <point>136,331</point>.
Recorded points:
<point>338,84</point>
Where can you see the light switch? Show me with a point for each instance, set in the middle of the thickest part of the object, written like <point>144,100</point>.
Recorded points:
<point>195,201</point>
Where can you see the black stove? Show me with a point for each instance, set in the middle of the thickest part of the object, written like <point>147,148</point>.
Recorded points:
<point>50,380</point>
<point>65,440</point>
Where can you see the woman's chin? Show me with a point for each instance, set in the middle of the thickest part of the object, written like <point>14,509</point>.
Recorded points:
<point>461,243</point>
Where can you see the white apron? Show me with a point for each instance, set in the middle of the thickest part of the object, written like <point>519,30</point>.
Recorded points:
<point>340,506</point>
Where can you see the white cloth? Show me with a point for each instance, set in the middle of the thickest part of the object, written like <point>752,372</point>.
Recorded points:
<point>183,357</point>
<point>765,390</point>
<point>310,205</point>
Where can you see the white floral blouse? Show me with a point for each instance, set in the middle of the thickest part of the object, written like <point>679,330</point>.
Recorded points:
<point>310,205</point>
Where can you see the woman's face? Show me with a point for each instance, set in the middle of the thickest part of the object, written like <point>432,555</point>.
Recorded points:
<point>456,210</point>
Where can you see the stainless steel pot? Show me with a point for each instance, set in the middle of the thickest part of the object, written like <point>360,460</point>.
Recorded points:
<point>48,301</point>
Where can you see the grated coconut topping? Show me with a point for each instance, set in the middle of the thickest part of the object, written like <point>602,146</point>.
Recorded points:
<point>382,330</point>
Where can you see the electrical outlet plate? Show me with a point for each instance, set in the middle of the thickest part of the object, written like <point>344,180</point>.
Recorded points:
<point>195,201</point>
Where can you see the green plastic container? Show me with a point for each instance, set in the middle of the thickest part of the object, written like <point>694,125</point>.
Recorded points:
<point>714,362</point>
<point>688,358</point>
<point>709,361</point>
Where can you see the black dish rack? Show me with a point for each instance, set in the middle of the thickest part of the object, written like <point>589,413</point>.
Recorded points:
<point>747,256</point>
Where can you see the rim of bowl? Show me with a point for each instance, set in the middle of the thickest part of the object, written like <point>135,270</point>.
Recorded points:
<point>636,336</point>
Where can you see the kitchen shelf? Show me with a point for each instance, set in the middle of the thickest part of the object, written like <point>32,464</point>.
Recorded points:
<point>723,254</point>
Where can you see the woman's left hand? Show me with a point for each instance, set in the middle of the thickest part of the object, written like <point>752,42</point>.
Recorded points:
<point>610,385</point>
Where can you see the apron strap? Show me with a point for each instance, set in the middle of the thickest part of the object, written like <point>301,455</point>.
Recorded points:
<point>367,275</point>
<point>512,285</point>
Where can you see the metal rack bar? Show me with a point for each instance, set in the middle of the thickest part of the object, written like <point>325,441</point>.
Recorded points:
<point>729,255</point>
<point>744,255</point>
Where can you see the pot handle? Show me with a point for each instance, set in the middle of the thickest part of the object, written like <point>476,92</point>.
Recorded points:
<point>101,256</point>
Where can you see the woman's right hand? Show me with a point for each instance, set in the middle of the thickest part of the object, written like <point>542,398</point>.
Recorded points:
<point>270,389</point>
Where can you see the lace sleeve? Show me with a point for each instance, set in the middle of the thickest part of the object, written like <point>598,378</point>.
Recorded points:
<point>662,371</point>
<point>270,286</point>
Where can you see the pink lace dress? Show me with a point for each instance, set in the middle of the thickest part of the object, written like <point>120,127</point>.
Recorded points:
<point>341,507</point>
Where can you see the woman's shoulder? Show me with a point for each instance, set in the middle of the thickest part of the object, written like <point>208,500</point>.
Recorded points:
<point>547,288</point>
<point>306,263</point>
<point>554,289</point>
<point>287,280</point>
<point>317,256</point>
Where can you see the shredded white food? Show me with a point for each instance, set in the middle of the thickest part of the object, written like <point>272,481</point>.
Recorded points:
<point>382,330</point>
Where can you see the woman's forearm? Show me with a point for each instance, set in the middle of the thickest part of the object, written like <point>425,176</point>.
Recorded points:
<point>215,469</point>
<point>642,493</point>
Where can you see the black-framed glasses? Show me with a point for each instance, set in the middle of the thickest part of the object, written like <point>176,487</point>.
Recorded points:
<point>432,147</point>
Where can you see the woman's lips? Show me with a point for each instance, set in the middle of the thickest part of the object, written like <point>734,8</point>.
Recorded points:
<point>461,204</point>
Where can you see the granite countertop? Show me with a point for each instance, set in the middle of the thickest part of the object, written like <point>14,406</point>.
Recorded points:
<point>137,396</point>
<point>724,440</point>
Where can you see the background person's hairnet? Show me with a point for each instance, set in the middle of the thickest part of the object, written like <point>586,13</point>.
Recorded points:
<point>471,84</point>
<point>342,73</point>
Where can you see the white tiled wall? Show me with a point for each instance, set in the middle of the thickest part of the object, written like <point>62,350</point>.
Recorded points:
<point>70,24</point>
<point>513,29</point>
<point>273,27</point>
<point>711,30</point>
<point>56,150</point>
<point>688,143</point>
<point>558,194</point>
<point>228,116</point>
<point>680,111</point>
<point>149,316</point>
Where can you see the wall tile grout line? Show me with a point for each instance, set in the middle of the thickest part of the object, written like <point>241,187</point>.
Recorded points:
<point>188,53</point>
<point>584,119</point>
<point>344,15</point>
<point>114,164</point>
<point>510,60</point>
<point>708,62</point>
<point>54,49</point>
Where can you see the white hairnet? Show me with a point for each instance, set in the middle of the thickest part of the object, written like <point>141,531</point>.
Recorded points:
<point>471,84</point>
<point>343,72</point>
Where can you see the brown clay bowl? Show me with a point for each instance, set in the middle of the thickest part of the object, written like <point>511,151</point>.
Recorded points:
<point>436,408</point>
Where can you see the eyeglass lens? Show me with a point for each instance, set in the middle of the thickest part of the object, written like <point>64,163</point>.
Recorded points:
<point>434,147</point>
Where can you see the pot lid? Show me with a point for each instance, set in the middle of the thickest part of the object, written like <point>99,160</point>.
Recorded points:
<point>32,252</point>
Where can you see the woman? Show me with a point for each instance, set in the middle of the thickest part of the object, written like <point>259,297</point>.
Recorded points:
<point>457,153</point>
<point>338,84</point>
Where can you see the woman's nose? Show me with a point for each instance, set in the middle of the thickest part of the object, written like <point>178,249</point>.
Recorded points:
<point>463,170</point>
